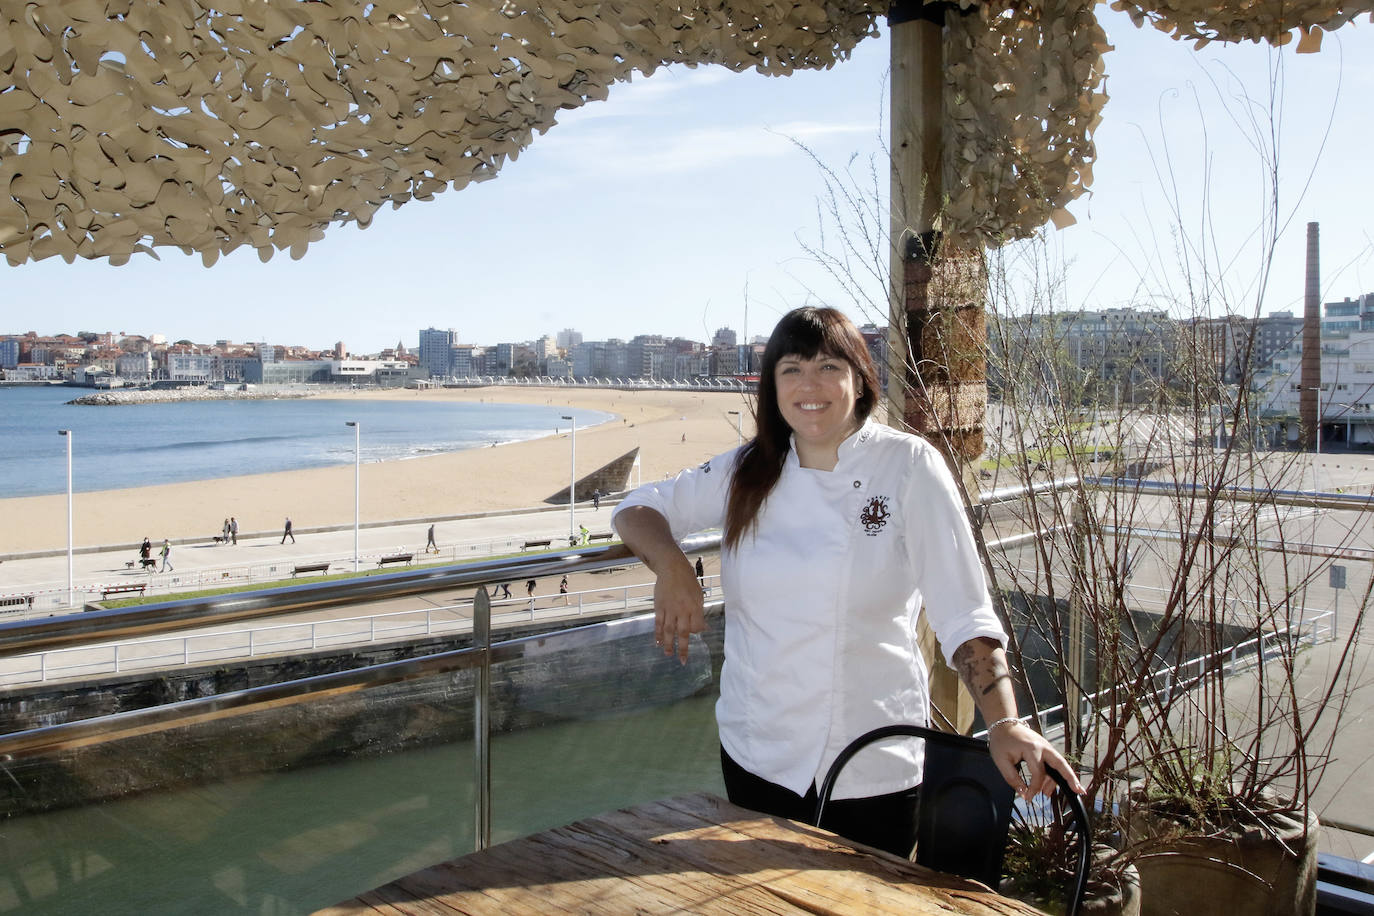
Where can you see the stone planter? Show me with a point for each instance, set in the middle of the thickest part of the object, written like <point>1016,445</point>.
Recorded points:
<point>1267,869</point>
<point>1121,899</point>
<point>1117,894</point>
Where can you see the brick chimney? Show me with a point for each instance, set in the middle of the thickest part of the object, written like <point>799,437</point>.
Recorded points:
<point>1311,378</point>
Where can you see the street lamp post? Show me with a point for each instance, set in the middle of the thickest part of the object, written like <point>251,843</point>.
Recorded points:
<point>572,484</point>
<point>71,592</point>
<point>357,488</point>
<point>739,431</point>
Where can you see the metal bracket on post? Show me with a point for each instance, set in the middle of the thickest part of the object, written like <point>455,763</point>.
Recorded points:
<point>481,731</point>
<point>921,247</point>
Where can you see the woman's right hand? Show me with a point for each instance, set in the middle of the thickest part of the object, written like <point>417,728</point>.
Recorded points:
<point>678,608</point>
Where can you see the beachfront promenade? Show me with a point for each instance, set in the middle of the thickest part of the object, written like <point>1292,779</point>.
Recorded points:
<point>590,594</point>
<point>261,557</point>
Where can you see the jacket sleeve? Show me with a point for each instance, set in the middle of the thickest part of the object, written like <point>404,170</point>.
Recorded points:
<point>692,501</point>
<point>949,572</point>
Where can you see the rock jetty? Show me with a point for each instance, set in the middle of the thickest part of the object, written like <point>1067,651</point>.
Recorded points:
<point>119,397</point>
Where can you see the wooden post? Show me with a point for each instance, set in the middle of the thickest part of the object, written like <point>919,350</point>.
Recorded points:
<point>937,325</point>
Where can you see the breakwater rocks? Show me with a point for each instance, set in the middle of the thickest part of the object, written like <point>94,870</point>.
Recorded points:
<point>119,397</point>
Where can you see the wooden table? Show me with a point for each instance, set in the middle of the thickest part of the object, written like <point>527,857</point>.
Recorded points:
<point>691,854</point>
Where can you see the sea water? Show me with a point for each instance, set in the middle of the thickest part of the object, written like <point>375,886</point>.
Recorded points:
<point>143,444</point>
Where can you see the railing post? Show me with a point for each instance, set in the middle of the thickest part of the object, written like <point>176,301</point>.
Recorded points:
<point>1073,710</point>
<point>481,641</point>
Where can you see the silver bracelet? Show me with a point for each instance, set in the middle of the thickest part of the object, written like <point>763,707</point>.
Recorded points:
<point>1007,720</point>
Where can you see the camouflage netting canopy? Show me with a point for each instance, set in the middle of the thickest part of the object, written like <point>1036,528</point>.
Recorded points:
<point>126,125</point>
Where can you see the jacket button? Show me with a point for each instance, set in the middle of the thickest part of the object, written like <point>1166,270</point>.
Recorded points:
<point>857,484</point>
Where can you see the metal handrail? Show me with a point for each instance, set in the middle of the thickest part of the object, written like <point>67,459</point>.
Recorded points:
<point>25,636</point>
<point>124,656</point>
<point>1308,498</point>
<point>86,732</point>
<point>1320,498</point>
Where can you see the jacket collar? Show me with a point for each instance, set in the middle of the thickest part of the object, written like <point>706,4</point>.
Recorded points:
<point>852,446</point>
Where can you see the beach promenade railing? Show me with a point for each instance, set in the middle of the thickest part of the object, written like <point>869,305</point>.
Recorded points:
<point>223,645</point>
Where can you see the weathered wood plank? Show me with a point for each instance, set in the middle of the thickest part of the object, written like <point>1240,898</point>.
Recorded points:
<point>819,872</point>
<point>696,854</point>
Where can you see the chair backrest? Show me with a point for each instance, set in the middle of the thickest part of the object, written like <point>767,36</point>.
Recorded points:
<point>966,807</point>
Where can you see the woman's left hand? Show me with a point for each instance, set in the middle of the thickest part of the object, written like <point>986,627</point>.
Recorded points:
<point>1011,744</point>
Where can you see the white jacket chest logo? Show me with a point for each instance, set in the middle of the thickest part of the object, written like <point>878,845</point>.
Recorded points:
<point>875,515</point>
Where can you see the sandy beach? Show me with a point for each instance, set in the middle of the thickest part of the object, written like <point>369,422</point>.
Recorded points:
<point>672,429</point>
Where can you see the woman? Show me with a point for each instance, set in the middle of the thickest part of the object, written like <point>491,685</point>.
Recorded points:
<point>838,530</point>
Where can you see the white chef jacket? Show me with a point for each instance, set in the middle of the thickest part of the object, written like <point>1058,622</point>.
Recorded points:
<point>822,599</point>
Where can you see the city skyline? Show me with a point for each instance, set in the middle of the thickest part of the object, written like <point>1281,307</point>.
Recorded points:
<point>1334,320</point>
<point>688,195</point>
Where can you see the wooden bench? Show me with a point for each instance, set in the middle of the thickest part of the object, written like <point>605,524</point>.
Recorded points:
<point>129,588</point>
<point>405,558</point>
<point>599,537</point>
<point>309,568</point>
<point>537,544</point>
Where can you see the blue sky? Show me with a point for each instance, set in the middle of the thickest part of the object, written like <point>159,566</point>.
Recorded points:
<point>687,194</point>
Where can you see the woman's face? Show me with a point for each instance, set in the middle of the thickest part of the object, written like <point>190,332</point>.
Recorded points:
<point>816,398</point>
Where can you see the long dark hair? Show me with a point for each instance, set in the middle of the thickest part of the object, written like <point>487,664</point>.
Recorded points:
<point>805,332</point>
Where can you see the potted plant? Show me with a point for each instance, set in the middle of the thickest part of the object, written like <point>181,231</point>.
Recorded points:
<point>1168,612</point>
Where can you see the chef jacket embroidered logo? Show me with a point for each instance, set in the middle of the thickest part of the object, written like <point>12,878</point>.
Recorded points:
<point>875,515</point>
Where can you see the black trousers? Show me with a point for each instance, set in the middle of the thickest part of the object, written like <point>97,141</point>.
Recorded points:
<point>886,822</point>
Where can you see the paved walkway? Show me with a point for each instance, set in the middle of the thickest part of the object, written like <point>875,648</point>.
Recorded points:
<point>261,557</point>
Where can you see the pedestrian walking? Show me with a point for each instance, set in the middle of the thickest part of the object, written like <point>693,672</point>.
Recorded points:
<point>166,554</point>
<point>503,587</point>
<point>596,499</point>
<point>286,532</point>
<point>563,590</point>
<point>224,533</point>
<point>583,534</point>
<point>234,529</point>
<point>701,575</point>
<point>430,542</point>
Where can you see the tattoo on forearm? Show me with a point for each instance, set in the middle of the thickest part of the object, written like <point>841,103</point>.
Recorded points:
<point>979,674</point>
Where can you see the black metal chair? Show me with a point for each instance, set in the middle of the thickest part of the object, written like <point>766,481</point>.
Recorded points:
<point>966,807</point>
